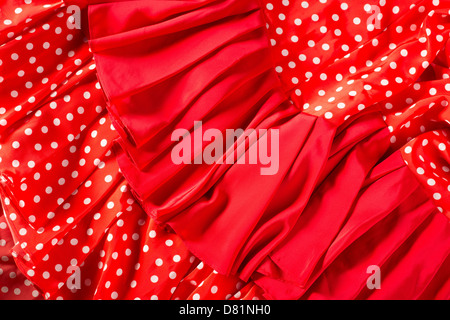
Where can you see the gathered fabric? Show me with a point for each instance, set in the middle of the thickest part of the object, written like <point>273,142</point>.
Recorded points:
<point>339,160</point>
<point>344,144</point>
<point>69,221</point>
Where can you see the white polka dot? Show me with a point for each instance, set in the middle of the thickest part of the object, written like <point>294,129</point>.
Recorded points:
<point>169,243</point>
<point>437,196</point>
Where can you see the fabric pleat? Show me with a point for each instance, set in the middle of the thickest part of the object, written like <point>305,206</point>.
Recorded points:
<point>225,149</point>
<point>70,227</point>
<point>340,188</point>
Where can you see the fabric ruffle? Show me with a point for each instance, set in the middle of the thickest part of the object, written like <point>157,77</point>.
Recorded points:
<point>362,178</point>
<point>339,184</point>
<point>13,284</point>
<point>70,212</point>
<point>391,57</point>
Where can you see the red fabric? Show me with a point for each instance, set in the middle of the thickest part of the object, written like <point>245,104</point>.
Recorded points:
<point>340,149</point>
<point>14,285</point>
<point>66,205</point>
<point>86,128</point>
<point>337,59</point>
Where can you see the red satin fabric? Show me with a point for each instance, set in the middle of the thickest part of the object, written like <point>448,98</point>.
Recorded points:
<point>66,208</point>
<point>342,181</point>
<point>86,125</point>
<point>339,59</point>
<point>13,284</point>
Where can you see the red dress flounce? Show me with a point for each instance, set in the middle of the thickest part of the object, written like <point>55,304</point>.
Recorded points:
<point>342,180</point>
<point>351,98</point>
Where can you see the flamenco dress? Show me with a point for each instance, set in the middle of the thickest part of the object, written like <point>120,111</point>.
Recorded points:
<point>361,111</point>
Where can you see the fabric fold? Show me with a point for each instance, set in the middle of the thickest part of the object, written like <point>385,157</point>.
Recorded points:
<point>291,230</point>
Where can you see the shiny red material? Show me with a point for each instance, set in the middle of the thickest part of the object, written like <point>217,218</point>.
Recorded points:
<point>360,104</point>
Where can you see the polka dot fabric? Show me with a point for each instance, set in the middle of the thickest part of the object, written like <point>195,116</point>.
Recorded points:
<point>14,284</point>
<point>418,121</point>
<point>331,76</point>
<point>341,58</point>
<point>76,231</point>
<point>373,76</point>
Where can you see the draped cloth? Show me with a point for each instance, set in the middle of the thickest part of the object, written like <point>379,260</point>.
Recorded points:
<point>343,196</point>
